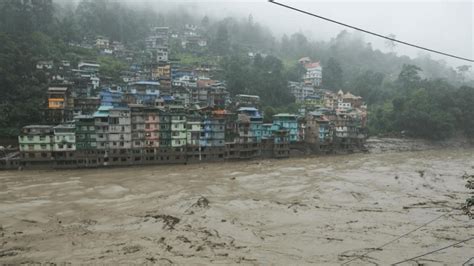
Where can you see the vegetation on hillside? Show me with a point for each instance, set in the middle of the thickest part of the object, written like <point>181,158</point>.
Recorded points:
<point>420,97</point>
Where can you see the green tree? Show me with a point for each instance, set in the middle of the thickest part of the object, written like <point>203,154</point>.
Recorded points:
<point>409,77</point>
<point>332,75</point>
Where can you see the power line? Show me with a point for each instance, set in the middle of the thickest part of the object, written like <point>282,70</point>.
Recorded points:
<point>370,32</point>
<point>431,252</point>
<point>395,239</point>
<point>467,261</point>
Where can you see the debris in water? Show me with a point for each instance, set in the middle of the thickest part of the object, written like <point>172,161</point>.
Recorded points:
<point>131,249</point>
<point>168,220</point>
<point>151,259</point>
<point>421,172</point>
<point>202,202</point>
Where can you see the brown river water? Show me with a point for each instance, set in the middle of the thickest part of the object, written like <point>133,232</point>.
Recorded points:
<point>314,210</point>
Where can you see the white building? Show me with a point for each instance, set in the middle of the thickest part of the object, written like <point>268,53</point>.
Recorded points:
<point>162,54</point>
<point>102,42</point>
<point>314,74</point>
<point>64,138</point>
<point>300,91</point>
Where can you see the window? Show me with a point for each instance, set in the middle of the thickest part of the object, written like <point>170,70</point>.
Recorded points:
<point>31,147</point>
<point>43,146</point>
<point>42,138</point>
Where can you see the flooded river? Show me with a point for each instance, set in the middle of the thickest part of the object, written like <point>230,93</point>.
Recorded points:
<point>324,210</point>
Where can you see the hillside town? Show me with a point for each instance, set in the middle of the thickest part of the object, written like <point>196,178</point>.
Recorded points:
<point>164,111</point>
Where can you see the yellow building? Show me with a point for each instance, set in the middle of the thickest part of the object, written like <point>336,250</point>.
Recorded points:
<point>161,71</point>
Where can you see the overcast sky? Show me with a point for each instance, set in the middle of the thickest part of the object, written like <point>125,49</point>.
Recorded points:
<point>440,25</point>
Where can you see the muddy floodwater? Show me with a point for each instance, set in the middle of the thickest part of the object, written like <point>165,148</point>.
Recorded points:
<point>322,210</point>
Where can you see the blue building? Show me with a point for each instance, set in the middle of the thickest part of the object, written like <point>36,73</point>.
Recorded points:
<point>250,127</point>
<point>143,92</point>
<point>288,122</point>
<point>112,97</point>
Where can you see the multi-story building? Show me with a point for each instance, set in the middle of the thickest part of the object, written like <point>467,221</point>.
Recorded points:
<point>64,138</point>
<point>64,145</point>
<point>152,127</point>
<point>348,101</point>
<point>60,105</point>
<point>178,128</point>
<point>249,125</point>
<point>319,131</point>
<point>165,129</point>
<point>143,92</point>
<point>101,122</point>
<point>213,130</point>
<point>158,43</point>
<point>246,133</point>
<point>218,96</point>
<point>85,132</point>
<point>86,105</point>
<point>137,119</point>
<point>314,74</point>
<point>86,144</point>
<point>289,122</point>
<point>162,54</point>
<point>193,130</point>
<point>301,91</point>
<point>112,96</point>
<point>162,70</point>
<point>313,102</point>
<point>120,133</point>
<point>218,127</point>
<point>36,143</point>
<point>182,95</point>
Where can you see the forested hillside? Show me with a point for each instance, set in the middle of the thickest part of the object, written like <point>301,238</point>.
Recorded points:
<point>421,97</point>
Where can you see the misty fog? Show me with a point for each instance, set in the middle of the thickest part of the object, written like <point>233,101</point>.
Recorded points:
<point>446,26</point>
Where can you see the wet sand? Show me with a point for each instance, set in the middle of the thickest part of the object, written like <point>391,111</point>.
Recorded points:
<point>322,210</point>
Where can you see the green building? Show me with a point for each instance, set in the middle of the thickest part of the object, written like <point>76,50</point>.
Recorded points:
<point>85,132</point>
